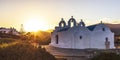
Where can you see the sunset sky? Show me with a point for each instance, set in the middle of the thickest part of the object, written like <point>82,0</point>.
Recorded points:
<point>48,13</point>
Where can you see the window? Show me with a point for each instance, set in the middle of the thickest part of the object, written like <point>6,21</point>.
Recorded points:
<point>80,37</point>
<point>56,39</point>
<point>103,29</point>
<point>106,39</point>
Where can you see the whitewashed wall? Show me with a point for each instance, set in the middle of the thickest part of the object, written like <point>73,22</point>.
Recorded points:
<point>90,39</point>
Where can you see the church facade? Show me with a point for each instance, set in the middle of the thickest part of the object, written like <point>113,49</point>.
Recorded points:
<point>79,36</point>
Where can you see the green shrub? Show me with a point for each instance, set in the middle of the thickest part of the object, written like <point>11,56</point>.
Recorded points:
<point>6,40</point>
<point>24,51</point>
<point>106,56</point>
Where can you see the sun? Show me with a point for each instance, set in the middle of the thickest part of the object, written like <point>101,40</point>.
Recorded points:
<point>33,25</point>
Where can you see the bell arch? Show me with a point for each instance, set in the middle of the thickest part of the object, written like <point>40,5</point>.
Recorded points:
<point>81,23</point>
<point>71,20</point>
<point>62,23</point>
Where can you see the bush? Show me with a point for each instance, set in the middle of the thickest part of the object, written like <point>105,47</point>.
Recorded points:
<point>41,37</point>
<point>6,40</point>
<point>24,51</point>
<point>106,56</point>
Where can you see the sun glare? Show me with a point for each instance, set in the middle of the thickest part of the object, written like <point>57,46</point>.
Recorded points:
<point>34,25</point>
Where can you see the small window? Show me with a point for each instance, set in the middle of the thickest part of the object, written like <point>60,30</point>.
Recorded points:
<point>103,29</point>
<point>80,37</point>
<point>56,39</point>
<point>106,39</point>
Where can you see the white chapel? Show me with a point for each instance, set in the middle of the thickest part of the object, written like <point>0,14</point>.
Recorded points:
<point>79,36</point>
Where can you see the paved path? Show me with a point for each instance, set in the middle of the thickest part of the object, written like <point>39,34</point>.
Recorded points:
<point>65,52</point>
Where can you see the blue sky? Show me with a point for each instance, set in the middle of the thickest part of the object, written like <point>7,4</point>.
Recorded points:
<point>15,12</point>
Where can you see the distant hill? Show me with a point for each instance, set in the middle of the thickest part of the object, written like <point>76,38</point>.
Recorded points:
<point>114,28</point>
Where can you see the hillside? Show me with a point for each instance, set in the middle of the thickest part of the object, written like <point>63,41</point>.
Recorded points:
<point>114,28</point>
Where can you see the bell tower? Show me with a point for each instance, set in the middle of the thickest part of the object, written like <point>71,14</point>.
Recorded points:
<point>72,20</point>
<point>62,23</point>
<point>81,23</point>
